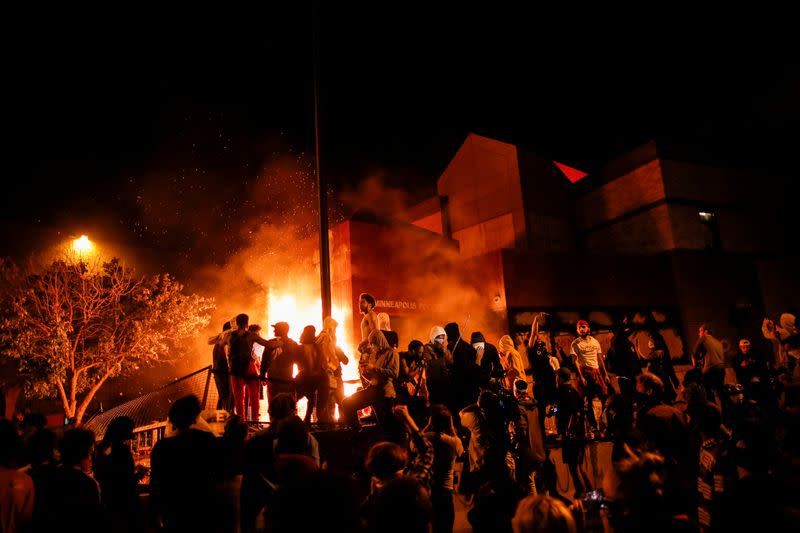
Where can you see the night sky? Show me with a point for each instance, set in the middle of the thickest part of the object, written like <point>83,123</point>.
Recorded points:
<point>158,130</point>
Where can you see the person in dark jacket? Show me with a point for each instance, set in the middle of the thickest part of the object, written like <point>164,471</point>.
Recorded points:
<point>466,373</point>
<point>277,362</point>
<point>183,475</point>
<point>660,364</point>
<point>750,367</point>
<point>116,472</point>
<point>222,373</point>
<point>67,498</point>
<point>487,357</point>
<point>625,361</point>
<point>440,367</point>
<point>544,372</point>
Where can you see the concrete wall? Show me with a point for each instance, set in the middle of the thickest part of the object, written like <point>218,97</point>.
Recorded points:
<point>482,183</point>
<point>646,232</point>
<point>629,192</point>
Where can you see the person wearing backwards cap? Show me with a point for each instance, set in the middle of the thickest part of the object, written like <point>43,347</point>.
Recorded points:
<point>591,367</point>
<point>277,363</point>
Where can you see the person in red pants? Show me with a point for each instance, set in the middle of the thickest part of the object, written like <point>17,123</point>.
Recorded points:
<point>245,381</point>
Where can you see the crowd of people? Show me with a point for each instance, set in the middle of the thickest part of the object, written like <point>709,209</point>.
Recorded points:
<point>451,420</point>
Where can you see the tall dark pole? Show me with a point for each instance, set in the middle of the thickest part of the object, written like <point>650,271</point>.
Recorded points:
<point>324,248</point>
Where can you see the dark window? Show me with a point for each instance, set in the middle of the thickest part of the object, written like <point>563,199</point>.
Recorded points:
<point>710,229</point>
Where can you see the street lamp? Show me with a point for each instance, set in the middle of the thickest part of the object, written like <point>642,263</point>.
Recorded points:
<point>82,245</point>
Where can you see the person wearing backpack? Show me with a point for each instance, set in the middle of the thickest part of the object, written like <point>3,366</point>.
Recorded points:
<point>245,381</point>
<point>571,422</point>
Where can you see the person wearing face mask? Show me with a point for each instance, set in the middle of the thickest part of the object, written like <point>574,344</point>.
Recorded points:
<point>380,366</point>
<point>487,357</point>
<point>440,367</point>
<point>749,366</point>
<point>512,362</point>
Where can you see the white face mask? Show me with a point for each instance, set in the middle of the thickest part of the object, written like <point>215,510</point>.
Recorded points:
<point>479,345</point>
<point>439,340</point>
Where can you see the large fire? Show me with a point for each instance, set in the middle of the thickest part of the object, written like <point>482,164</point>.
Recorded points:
<point>299,312</point>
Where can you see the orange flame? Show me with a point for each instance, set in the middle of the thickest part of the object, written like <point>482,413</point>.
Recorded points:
<point>298,312</point>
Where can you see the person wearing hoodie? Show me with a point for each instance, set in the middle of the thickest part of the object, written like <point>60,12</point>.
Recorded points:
<point>380,366</point>
<point>785,338</point>
<point>487,358</point>
<point>466,373</point>
<point>384,324</point>
<point>334,358</point>
<point>440,367</point>
<point>512,362</point>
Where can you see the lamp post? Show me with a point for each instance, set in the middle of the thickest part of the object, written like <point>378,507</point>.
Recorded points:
<point>324,245</point>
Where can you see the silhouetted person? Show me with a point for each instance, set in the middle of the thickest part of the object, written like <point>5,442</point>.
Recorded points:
<point>238,346</point>
<point>316,503</point>
<point>183,474</point>
<point>229,456</point>
<point>16,488</point>
<point>115,471</point>
<point>496,499</point>
<point>750,367</point>
<point>543,514</point>
<point>68,499</point>
<point>660,364</point>
<point>487,358</point>
<point>447,446</point>
<point>440,367</point>
<point>466,373</point>
<point>220,367</point>
<point>313,381</point>
<point>544,371</point>
<point>626,360</point>
<point>710,351</point>
<point>568,420</point>
<point>278,360</point>
<point>403,506</point>
<point>258,487</point>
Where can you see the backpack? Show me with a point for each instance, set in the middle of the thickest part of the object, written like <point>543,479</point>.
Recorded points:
<point>240,354</point>
<point>578,428</point>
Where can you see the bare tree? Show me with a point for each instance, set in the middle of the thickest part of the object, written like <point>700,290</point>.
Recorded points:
<point>72,327</point>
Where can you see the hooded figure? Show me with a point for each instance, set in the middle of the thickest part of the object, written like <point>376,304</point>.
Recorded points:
<point>785,338</point>
<point>487,357</point>
<point>326,342</point>
<point>466,373</point>
<point>512,362</point>
<point>440,366</point>
<point>463,352</point>
<point>386,328</point>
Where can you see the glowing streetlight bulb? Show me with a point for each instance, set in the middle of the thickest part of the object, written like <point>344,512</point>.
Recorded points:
<point>82,245</point>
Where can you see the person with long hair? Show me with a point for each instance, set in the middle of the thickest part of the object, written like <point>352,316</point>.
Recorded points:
<point>447,446</point>
<point>312,381</point>
<point>542,513</point>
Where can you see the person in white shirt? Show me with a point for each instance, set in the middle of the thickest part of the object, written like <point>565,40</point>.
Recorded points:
<point>589,360</point>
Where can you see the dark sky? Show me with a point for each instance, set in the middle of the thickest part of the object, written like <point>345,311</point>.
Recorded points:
<point>98,116</point>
